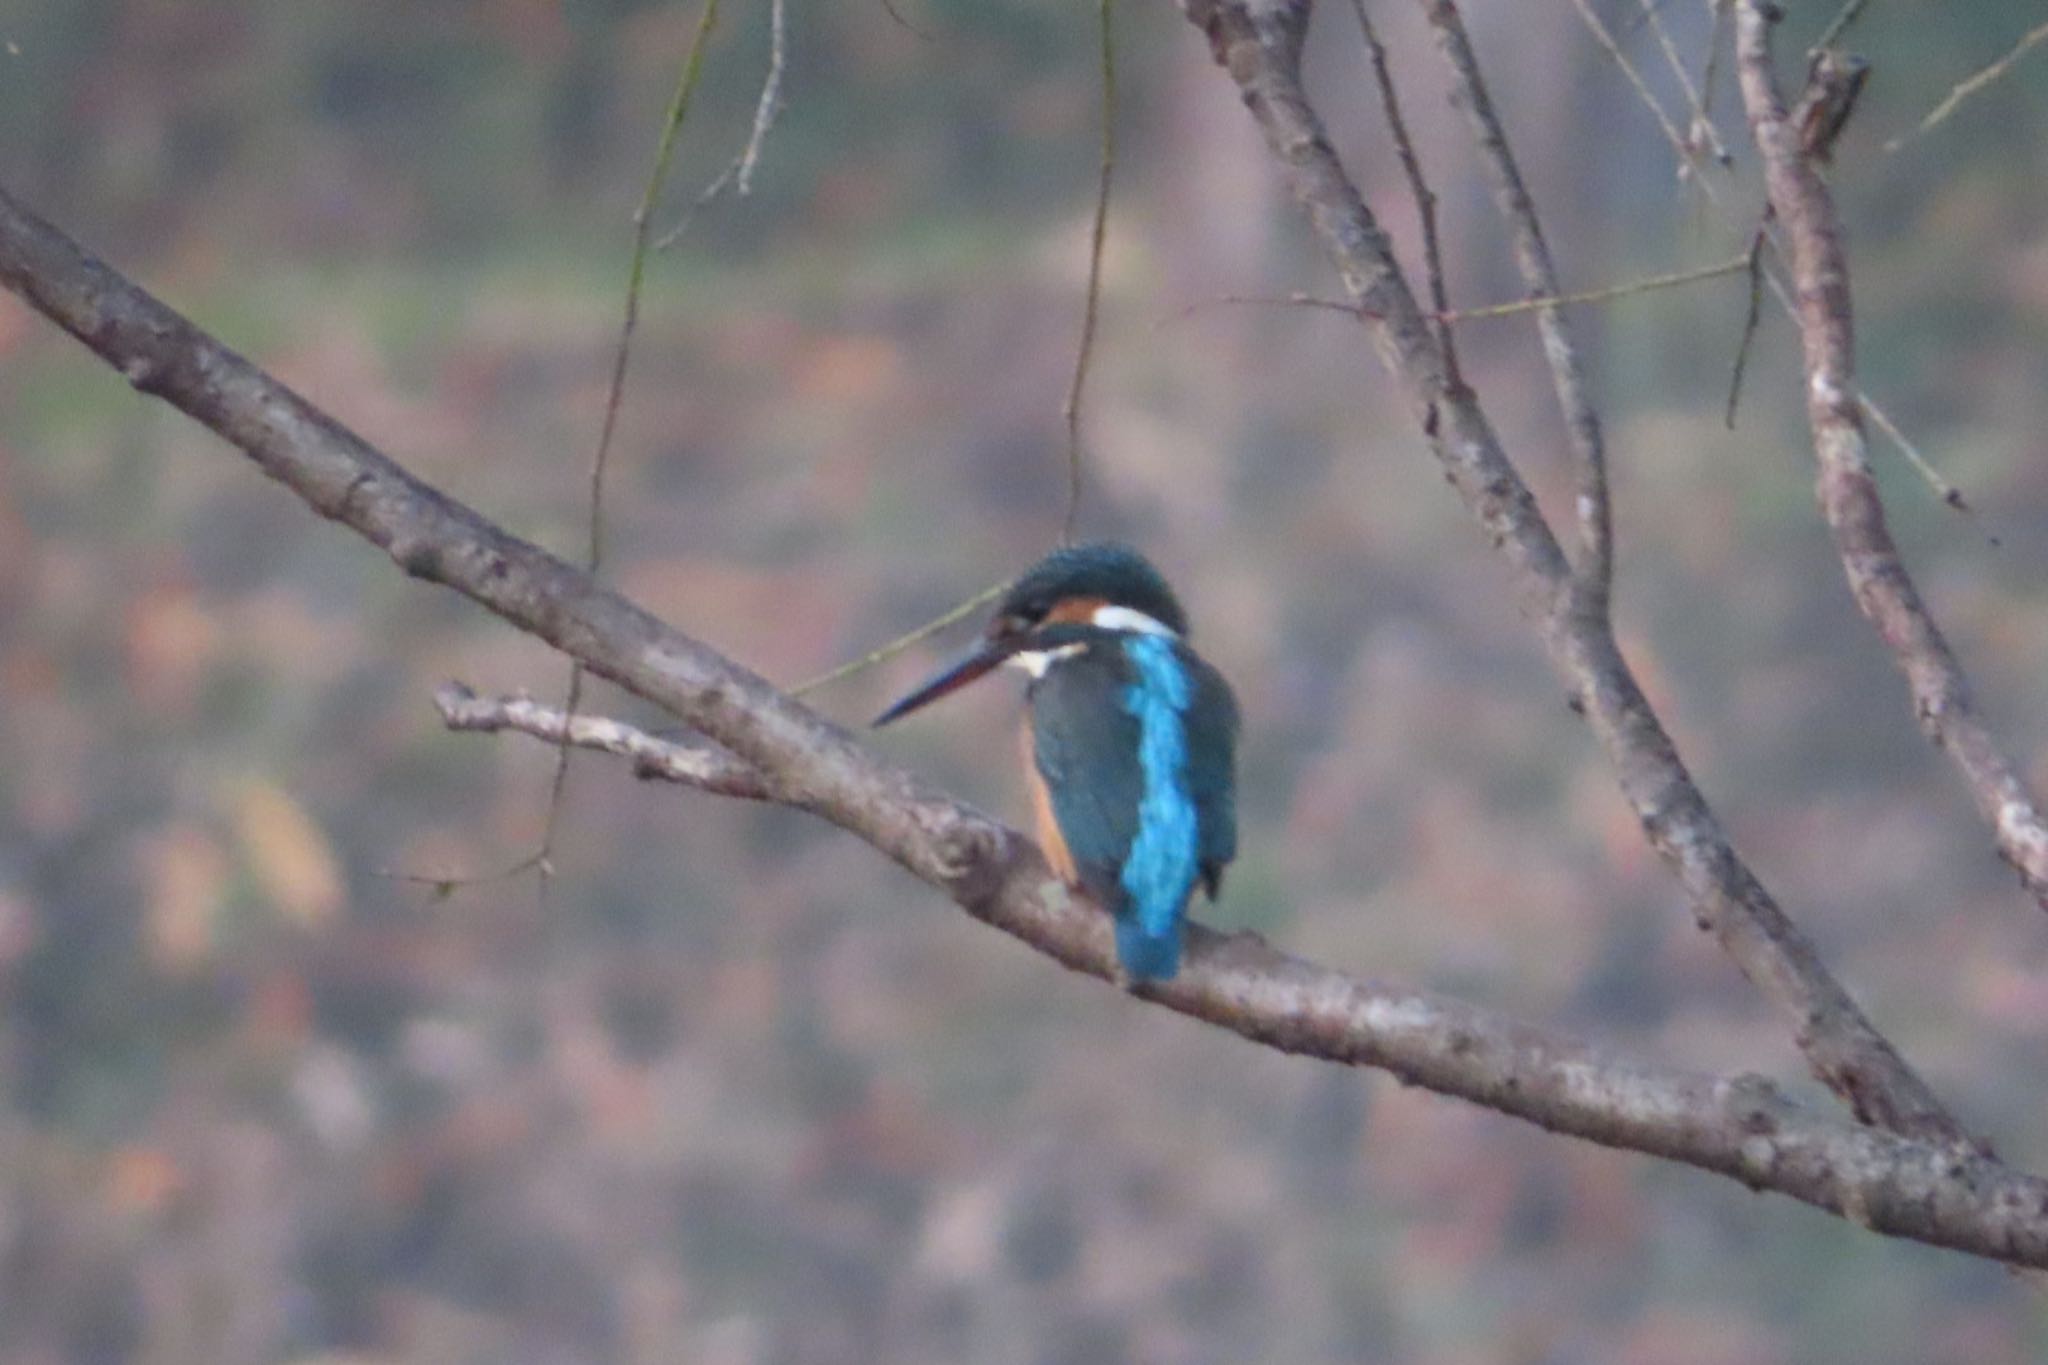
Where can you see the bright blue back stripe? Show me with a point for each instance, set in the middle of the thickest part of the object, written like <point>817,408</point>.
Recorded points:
<point>1160,871</point>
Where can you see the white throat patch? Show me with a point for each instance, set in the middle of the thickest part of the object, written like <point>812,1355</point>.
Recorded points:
<point>1129,618</point>
<point>1036,661</point>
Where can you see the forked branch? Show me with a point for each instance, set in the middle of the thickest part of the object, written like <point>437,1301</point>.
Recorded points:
<point>689,765</point>
<point>1258,42</point>
<point>1539,275</point>
<point>1878,578</point>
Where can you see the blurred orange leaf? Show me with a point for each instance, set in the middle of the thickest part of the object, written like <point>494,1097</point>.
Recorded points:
<point>170,641</point>
<point>185,876</point>
<point>289,853</point>
<point>143,1180</point>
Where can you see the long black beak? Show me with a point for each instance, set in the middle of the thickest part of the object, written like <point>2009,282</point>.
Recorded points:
<point>985,658</point>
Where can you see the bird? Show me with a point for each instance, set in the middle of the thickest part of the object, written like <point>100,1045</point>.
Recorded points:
<point>1130,740</point>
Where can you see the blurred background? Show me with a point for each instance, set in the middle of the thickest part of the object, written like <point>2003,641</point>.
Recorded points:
<point>740,1092</point>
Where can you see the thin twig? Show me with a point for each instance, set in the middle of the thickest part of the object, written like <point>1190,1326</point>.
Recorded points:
<point>1710,64</point>
<point>1837,26</point>
<point>904,641</point>
<point>1687,156</point>
<point>447,884</point>
<point>1344,306</point>
<point>1098,232</point>
<point>738,174</point>
<point>1702,127</point>
<point>1628,30</point>
<point>1418,189</point>
<point>770,103</point>
<point>1973,86</point>
<point>643,217</point>
<point>1484,311</point>
<point>1594,505</point>
<point>1753,261</point>
<point>1941,487</point>
<point>896,16</point>
<point>1607,295</point>
<point>1605,38</point>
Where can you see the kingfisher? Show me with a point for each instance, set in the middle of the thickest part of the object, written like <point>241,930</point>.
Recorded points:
<point>1130,740</point>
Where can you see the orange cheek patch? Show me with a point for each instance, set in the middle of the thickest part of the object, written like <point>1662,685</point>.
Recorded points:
<point>1080,609</point>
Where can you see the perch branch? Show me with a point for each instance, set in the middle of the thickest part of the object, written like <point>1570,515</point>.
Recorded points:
<point>1741,1127</point>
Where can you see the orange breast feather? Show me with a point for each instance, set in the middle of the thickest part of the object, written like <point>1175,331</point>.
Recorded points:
<point>1050,839</point>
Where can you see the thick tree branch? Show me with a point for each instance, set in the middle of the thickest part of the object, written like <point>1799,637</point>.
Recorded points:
<point>1849,499</point>
<point>1259,43</point>
<point>690,765</point>
<point>1740,1127</point>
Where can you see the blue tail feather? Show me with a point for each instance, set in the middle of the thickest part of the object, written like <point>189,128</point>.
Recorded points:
<point>1147,957</point>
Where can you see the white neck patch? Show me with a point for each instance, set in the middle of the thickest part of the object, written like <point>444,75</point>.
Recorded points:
<point>1129,618</point>
<point>1036,662</point>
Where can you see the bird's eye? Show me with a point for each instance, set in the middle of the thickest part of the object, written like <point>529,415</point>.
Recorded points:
<point>1012,623</point>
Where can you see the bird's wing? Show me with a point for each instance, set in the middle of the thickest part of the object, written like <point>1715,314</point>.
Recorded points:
<point>1086,746</point>
<point>1211,720</point>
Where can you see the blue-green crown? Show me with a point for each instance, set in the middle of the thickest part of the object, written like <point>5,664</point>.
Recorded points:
<point>1116,573</point>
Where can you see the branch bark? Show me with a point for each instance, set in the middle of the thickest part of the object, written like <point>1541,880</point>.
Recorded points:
<point>1259,43</point>
<point>1539,274</point>
<point>1740,1127</point>
<point>1847,489</point>
<point>1418,188</point>
<point>688,765</point>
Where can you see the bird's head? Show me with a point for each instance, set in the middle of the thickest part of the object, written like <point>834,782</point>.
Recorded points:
<point>1060,603</point>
